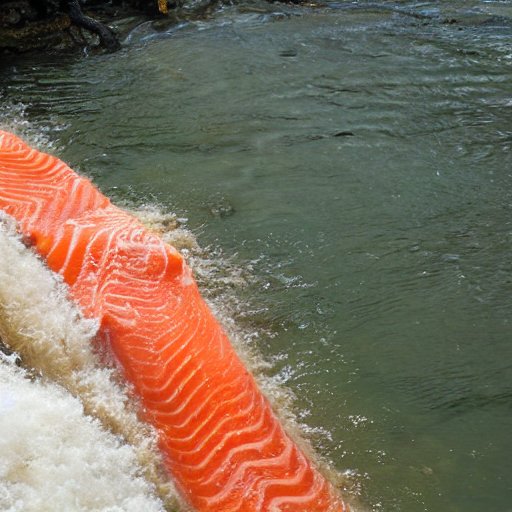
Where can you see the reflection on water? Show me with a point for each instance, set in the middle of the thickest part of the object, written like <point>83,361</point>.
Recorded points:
<point>357,159</point>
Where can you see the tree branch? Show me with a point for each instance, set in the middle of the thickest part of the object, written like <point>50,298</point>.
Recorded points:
<point>107,37</point>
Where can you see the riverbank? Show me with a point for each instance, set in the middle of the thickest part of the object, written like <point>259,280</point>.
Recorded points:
<point>35,25</point>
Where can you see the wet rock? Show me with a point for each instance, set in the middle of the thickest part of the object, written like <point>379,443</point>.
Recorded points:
<point>13,14</point>
<point>221,208</point>
<point>27,25</point>
<point>9,355</point>
<point>11,17</point>
<point>36,35</point>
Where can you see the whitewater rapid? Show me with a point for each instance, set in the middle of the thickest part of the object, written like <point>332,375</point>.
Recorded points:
<point>68,423</point>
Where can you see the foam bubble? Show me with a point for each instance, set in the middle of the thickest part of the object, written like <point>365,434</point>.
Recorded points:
<point>56,458</point>
<point>13,118</point>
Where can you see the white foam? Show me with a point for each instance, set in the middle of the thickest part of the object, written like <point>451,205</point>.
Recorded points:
<point>56,458</point>
<point>13,118</point>
<point>54,341</point>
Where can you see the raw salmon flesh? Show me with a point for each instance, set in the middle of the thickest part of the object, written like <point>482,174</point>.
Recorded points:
<point>221,441</point>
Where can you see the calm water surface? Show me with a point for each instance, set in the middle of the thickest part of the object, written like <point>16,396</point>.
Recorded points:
<point>356,159</point>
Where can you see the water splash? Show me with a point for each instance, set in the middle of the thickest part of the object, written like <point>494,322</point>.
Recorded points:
<point>14,119</point>
<point>54,457</point>
<point>55,343</point>
<point>221,280</point>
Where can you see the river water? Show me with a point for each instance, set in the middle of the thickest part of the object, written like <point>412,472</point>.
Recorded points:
<point>347,170</point>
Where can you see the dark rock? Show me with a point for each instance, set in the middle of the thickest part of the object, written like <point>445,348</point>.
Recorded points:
<point>10,355</point>
<point>36,35</point>
<point>344,133</point>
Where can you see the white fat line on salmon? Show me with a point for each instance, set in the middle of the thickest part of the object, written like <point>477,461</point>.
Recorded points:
<point>215,271</point>
<point>55,342</point>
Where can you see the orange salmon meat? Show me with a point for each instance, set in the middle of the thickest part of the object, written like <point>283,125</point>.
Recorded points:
<point>222,443</point>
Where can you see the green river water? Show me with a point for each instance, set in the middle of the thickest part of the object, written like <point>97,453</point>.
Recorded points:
<point>355,162</point>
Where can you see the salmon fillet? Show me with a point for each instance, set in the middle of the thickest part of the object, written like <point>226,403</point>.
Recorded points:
<point>222,443</point>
